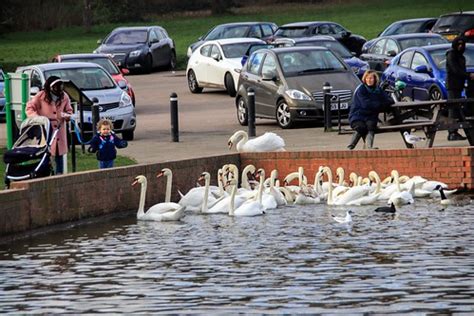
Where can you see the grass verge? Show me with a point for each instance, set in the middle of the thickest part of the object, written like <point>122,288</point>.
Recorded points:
<point>84,162</point>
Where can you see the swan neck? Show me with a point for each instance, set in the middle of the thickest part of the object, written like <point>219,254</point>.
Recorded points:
<point>169,180</point>
<point>260,189</point>
<point>141,205</point>
<point>243,139</point>
<point>232,200</point>
<point>206,195</point>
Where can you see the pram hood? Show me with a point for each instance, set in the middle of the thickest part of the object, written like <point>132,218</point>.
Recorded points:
<point>33,141</point>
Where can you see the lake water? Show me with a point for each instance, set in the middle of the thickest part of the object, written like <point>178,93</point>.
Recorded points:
<point>292,260</point>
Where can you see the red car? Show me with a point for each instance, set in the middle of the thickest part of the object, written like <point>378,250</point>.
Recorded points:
<point>107,63</point>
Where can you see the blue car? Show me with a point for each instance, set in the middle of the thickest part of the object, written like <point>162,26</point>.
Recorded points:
<point>423,69</point>
<point>2,94</point>
<point>358,66</point>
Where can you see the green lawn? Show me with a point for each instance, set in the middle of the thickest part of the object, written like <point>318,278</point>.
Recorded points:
<point>84,162</point>
<point>367,18</point>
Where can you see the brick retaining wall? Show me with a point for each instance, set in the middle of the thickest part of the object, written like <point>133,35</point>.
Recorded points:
<point>42,202</point>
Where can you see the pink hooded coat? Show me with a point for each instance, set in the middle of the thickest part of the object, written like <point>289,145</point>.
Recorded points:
<point>39,106</point>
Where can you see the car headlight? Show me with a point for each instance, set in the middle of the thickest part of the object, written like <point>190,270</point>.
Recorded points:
<point>135,53</point>
<point>95,51</point>
<point>297,95</point>
<point>125,100</point>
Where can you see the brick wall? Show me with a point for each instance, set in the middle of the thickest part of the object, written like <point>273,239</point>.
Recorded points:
<point>453,166</point>
<point>42,202</point>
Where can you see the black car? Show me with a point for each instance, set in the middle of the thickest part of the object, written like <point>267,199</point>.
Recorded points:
<point>386,47</point>
<point>262,30</point>
<point>421,25</point>
<point>144,47</point>
<point>455,24</point>
<point>353,42</point>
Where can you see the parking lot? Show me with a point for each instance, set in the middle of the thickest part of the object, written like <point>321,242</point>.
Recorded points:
<point>207,120</point>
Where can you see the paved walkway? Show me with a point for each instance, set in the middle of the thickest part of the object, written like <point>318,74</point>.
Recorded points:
<point>207,120</point>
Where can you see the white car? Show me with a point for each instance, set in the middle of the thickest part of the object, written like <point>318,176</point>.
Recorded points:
<point>217,64</point>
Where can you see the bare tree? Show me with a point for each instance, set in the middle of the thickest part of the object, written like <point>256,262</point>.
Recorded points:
<point>221,6</point>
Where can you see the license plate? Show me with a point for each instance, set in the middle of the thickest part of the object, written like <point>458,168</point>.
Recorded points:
<point>110,118</point>
<point>344,106</point>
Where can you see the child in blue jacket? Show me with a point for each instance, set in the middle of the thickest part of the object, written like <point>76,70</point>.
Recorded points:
<point>104,142</point>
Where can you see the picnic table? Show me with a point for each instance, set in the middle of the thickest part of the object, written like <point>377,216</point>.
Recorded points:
<point>430,117</point>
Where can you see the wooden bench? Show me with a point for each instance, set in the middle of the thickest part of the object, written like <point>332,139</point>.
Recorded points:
<point>405,118</point>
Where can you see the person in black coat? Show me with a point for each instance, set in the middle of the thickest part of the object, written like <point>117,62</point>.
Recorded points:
<point>104,142</point>
<point>368,101</point>
<point>456,76</point>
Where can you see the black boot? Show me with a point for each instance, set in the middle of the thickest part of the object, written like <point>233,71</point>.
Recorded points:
<point>354,140</point>
<point>370,140</point>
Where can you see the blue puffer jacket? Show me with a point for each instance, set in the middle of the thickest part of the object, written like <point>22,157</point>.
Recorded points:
<point>105,146</point>
<point>368,103</point>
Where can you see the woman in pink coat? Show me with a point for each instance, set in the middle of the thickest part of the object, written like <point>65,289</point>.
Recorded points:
<point>53,103</point>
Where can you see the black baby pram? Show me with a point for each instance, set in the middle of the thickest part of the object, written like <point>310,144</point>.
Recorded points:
<point>29,157</point>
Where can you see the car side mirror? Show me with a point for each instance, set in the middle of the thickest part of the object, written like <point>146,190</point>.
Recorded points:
<point>99,41</point>
<point>216,57</point>
<point>124,71</point>
<point>34,91</point>
<point>422,69</point>
<point>122,84</point>
<point>391,53</point>
<point>269,76</point>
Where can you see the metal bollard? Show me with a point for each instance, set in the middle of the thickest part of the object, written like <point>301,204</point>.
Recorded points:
<point>174,117</point>
<point>95,116</point>
<point>251,112</point>
<point>327,107</point>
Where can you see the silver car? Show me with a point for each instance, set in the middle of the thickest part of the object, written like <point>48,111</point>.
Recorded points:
<point>95,82</point>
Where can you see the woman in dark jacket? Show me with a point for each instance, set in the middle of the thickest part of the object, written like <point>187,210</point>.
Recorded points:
<point>368,101</point>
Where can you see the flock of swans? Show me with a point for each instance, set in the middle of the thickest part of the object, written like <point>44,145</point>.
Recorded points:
<point>258,194</point>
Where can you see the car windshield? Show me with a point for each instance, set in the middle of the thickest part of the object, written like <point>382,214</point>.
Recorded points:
<point>90,78</point>
<point>335,46</point>
<point>402,28</point>
<point>439,57</point>
<point>290,32</point>
<point>421,41</point>
<point>236,50</point>
<point>295,63</point>
<point>226,31</point>
<point>456,22</point>
<point>127,37</point>
<point>106,63</point>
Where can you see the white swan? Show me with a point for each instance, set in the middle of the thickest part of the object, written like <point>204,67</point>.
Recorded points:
<point>402,197</point>
<point>166,211</point>
<point>265,143</point>
<point>276,193</point>
<point>351,194</point>
<point>194,198</point>
<point>249,208</point>
<point>391,188</point>
<point>220,205</point>
<point>371,198</point>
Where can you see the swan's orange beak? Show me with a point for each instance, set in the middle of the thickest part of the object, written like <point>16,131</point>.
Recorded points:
<point>134,182</point>
<point>160,174</point>
<point>230,144</point>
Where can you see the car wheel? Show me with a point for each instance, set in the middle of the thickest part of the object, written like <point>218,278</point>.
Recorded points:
<point>230,85</point>
<point>148,66</point>
<point>242,113</point>
<point>172,64</point>
<point>128,135</point>
<point>283,115</point>
<point>435,94</point>
<point>192,83</point>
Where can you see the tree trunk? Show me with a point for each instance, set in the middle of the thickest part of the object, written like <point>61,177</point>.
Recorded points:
<point>221,6</point>
<point>87,16</point>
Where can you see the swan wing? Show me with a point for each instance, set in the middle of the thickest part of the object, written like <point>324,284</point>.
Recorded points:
<point>252,208</point>
<point>267,142</point>
<point>162,208</point>
<point>175,215</point>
